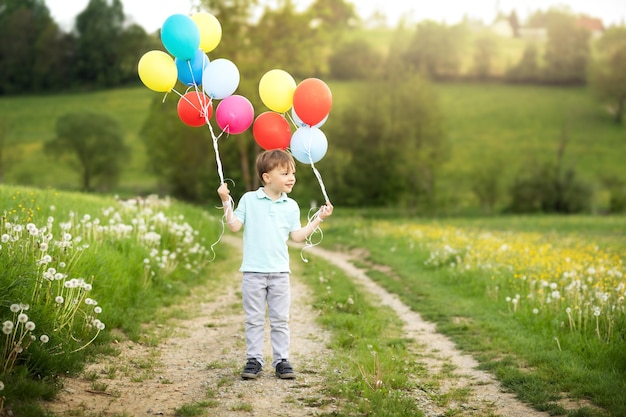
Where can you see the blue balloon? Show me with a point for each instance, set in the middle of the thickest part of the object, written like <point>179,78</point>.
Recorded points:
<point>299,123</point>
<point>308,144</point>
<point>180,36</point>
<point>220,78</point>
<point>190,71</point>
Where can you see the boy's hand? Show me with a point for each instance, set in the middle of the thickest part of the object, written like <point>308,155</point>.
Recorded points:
<point>326,210</point>
<point>224,192</point>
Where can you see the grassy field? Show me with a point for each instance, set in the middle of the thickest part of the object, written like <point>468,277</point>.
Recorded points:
<point>507,128</point>
<point>29,121</point>
<point>538,300</point>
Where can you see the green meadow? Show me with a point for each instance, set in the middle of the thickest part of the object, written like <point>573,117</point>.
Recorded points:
<point>513,128</point>
<point>538,300</point>
<point>504,128</point>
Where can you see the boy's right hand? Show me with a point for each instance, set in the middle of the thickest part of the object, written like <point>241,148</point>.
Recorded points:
<point>224,192</point>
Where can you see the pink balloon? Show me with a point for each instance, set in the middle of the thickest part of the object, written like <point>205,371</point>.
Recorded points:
<point>234,114</point>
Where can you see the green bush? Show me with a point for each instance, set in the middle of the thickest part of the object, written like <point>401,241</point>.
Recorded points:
<point>547,190</point>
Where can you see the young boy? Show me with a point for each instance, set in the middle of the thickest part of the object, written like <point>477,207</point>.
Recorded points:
<point>269,219</point>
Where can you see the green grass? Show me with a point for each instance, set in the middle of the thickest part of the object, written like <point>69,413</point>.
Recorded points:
<point>109,244</point>
<point>371,370</point>
<point>536,355</point>
<point>511,128</point>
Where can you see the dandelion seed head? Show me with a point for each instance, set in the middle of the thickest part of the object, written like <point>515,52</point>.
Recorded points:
<point>535,311</point>
<point>15,308</point>
<point>7,327</point>
<point>59,299</point>
<point>44,338</point>
<point>22,318</point>
<point>97,310</point>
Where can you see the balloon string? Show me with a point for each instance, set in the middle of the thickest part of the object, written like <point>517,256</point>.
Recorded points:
<point>316,172</point>
<point>220,171</point>
<point>231,205</point>
<point>309,240</point>
<point>319,180</point>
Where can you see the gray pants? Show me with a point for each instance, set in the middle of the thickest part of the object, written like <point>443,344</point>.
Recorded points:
<point>271,290</point>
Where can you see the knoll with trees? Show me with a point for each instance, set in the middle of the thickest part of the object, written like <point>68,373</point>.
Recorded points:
<point>392,158</point>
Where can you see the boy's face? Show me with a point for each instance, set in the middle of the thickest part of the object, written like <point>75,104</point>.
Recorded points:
<point>280,179</point>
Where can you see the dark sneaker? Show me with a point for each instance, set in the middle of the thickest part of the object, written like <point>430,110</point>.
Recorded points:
<point>284,370</point>
<point>252,369</point>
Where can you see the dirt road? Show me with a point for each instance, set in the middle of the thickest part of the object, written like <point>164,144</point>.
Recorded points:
<point>200,363</point>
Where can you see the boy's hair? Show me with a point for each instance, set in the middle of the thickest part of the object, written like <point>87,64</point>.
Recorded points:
<point>270,159</point>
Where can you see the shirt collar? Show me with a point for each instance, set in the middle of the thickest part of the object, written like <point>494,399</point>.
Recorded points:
<point>260,193</point>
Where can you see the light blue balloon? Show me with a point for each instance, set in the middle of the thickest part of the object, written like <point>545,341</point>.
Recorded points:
<point>299,123</point>
<point>190,71</point>
<point>180,36</point>
<point>308,144</point>
<point>220,78</point>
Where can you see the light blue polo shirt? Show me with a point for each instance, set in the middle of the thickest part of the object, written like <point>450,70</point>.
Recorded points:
<point>266,228</point>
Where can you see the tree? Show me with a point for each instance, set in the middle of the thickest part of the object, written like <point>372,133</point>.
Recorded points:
<point>99,28</point>
<point>281,37</point>
<point>527,69</point>
<point>94,146</point>
<point>31,48</point>
<point>607,75</point>
<point>354,60</point>
<point>567,51</point>
<point>435,50</point>
<point>392,142</point>
<point>179,155</point>
<point>485,50</point>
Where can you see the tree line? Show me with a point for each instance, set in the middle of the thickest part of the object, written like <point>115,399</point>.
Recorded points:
<point>37,56</point>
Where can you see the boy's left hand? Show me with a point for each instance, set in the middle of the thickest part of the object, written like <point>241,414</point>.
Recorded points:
<point>326,210</point>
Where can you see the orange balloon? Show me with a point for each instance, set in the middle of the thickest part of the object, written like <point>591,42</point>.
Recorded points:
<point>194,109</point>
<point>312,101</point>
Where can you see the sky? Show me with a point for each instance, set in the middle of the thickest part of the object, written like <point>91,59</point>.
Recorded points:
<point>151,14</point>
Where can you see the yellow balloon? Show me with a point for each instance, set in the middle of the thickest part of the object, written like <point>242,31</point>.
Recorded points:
<point>210,30</point>
<point>157,70</point>
<point>276,89</point>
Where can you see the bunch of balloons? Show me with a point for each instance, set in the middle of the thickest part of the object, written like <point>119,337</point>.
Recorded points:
<point>307,104</point>
<point>188,40</point>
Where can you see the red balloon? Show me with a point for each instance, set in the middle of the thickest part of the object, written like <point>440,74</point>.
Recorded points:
<point>271,131</point>
<point>312,101</point>
<point>194,108</point>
